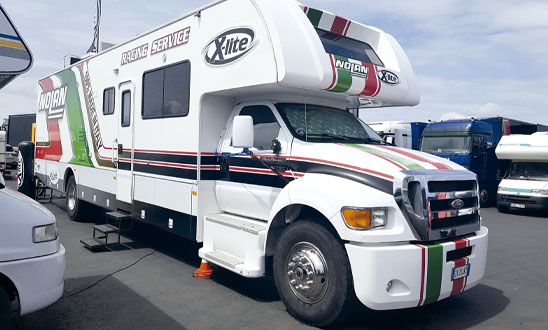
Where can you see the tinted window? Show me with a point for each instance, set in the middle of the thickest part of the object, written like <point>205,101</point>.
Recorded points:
<point>108,101</point>
<point>343,46</point>
<point>166,91</point>
<point>126,108</point>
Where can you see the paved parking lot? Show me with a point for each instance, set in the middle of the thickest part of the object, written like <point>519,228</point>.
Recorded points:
<point>159,292</point>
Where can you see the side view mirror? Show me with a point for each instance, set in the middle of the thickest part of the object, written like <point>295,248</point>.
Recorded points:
<point>242,132</point>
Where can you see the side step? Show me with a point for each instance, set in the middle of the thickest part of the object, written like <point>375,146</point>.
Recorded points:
<point>235,243</point>
<point>116,223</point>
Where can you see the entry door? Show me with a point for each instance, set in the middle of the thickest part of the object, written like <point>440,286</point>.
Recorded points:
<point>248,188</point>
<point>124,143</point>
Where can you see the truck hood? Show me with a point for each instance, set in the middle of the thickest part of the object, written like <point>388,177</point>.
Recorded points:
<point>19,215</point>
<point>380,161</point>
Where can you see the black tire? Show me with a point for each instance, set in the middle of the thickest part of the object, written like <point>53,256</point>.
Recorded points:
<point>331,296</point>
<point>6,320</point>
<point>76,209</point>
<point>484,197</point>
<point>25,168</point>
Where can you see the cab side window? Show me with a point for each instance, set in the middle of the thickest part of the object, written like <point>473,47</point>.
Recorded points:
<point>265,125</point>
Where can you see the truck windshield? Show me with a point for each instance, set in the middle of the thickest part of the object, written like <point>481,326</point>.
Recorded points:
<point>446,144</point>
<point>528,171</point>
<point>316,123</point>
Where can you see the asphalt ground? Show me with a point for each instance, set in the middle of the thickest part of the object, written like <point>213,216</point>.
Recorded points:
<point>150,286</point>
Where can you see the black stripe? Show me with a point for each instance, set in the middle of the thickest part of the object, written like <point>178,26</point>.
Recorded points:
<point>209,160</point>
<point>179,159</point>
<point>126,166</point>
<point>183,173</point>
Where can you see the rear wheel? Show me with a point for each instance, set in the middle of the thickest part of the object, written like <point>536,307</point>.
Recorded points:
<point>484,197</point>
<point>312,274</point>
<point>76,209</point>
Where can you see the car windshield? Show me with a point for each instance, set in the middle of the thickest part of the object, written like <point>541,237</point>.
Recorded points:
<point>528,171</point>
<point>446,144</point>
<point>315,123</point>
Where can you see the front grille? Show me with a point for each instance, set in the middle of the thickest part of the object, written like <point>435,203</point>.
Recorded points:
<point>444,186</point>
<point>518,199</point>
<point>439,204</point>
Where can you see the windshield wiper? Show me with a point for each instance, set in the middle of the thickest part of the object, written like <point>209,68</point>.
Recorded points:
<point>346,137</point>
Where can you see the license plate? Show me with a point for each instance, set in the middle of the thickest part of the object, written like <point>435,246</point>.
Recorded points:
<point>519,206</point>
<point>460,272</point>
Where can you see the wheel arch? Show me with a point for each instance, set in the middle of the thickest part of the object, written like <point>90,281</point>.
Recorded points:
<point>9,286</point>
<point>68,174</point>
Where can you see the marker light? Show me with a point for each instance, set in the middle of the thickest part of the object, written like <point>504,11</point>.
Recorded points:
<point>45,233</point>
<point>364,218</point>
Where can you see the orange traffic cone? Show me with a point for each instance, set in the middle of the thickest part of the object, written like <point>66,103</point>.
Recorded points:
<point>204,271</point>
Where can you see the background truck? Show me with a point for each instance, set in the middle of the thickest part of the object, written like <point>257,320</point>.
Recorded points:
<point>400,133</point>
<point>525,184</point>
<point>3,155</point>
<point>20,128</point>
<point>471,143</point>
<point>231,126</point>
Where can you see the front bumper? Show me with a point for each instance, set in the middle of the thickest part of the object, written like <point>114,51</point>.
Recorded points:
<point>39,281</point>
<point>529,202</point>
<point>419,274</point>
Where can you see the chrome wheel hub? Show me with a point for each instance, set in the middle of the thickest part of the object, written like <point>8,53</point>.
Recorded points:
<point>307,272</point>
<point>71,197</point>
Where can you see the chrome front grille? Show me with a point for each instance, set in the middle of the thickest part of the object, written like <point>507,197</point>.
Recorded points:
<point>438,204</point>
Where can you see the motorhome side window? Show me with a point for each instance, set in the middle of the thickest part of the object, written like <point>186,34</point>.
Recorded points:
<point>265,125</point>
<point>126,108</point>
<point>166,91</point>
<point>108,101</point>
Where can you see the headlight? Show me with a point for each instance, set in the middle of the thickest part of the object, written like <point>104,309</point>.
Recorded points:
<point>45,233</point>
<point>544,192</point>
<point>502,189</point>
<point>535,191</point>
<point>364,218</point>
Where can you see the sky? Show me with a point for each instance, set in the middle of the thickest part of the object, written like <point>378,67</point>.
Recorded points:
<point>472,58</point>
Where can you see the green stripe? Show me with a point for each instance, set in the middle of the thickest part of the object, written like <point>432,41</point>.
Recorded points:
<point>400,160</point>
<point>434,273</point>
<point>76,121</point>
<point>314,16</point>
<point>344,79</point>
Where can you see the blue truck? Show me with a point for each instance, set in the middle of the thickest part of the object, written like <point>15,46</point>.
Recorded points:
<point>471,143</point>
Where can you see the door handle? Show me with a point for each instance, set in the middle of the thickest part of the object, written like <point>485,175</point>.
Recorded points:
<point>120,148</point>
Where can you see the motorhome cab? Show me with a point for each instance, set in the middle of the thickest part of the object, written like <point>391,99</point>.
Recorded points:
<point>525,184</point>
<point>233,126</point>
<point>32,261</point>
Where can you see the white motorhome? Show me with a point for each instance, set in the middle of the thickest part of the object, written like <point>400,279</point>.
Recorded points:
<point>525,184</point>
<point>230,126</point>
<point>400,133</point>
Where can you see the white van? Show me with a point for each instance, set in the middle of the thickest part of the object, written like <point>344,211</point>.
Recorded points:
<point>525,184</point>
<point>32,260</point>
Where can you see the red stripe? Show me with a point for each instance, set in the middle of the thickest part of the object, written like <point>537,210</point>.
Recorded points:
<point>378,83</point>
<point>338,25</point>
<point>415,157</point>
<point>262,171</point>
<point>459,283</point>
<point>423,269</point>
<point>371,83</point>
<point>305,9</point>
<point>47,84</point>
<point>55,149</point>
<point>347,26</point>
<point>334,72</point>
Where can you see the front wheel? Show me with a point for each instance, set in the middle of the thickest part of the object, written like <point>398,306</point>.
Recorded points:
<point>5,310</point>
<point>312,274</point>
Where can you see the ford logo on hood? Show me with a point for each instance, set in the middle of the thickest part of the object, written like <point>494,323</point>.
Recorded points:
<point>388,77</point>
<point>230,46</point>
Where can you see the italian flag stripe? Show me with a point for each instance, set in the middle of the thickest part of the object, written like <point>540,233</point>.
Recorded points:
<point>344,80</point>
<point>314,16</point>
<point>339,25</point>
<point>434,273</point>
<point>400,162</point>
<point>460,284</point>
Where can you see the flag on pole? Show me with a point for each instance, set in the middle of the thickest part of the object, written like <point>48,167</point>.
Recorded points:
<point>94,48</point>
